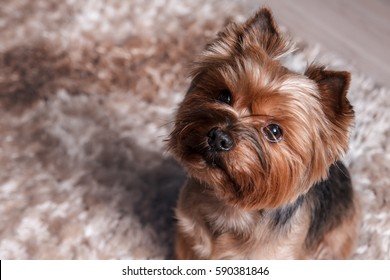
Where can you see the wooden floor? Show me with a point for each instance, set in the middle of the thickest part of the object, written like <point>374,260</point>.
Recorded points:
<point>356,30</point>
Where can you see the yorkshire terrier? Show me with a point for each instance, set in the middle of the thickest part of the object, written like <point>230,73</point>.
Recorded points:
<point>262,145</point>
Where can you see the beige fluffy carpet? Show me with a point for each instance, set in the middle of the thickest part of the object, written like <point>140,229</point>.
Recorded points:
<point>87,93</point>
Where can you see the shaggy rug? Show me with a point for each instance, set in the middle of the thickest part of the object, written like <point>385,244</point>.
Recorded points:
<point>88,90</point>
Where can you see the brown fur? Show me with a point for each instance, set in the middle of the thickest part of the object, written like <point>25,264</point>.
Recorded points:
<point>228,206</point>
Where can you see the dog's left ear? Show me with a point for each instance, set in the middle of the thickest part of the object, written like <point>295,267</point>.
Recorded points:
<point>333,87</point>
<point>263,21</point>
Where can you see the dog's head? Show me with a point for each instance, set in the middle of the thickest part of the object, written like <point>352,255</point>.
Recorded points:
<point>257,133</point>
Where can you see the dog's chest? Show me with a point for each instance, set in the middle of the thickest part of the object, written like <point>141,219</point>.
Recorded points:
<point>243,235</point>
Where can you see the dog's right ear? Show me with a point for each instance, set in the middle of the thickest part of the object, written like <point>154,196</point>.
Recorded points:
<point>262,21</point>
<point>262,31</point>
<point>259,36</point>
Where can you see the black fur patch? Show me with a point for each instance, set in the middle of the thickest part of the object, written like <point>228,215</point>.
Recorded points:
<point>283,214</point>
<point>331,202</point>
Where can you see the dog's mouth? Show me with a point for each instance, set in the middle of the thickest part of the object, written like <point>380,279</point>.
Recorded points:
<point>213,159</point>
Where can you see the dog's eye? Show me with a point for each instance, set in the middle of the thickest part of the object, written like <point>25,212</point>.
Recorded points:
<point>225,96</point>
<point>273,133</point>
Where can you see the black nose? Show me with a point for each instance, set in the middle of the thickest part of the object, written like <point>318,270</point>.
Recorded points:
<point>218,140</point>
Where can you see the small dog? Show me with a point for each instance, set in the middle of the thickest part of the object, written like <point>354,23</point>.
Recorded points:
<point>261,145</point>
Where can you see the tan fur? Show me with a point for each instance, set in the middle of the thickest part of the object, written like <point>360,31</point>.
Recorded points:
<point>341,241</point>
<point>237,233</point>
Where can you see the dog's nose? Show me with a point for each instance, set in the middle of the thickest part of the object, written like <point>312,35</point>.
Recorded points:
<point>219,140</point>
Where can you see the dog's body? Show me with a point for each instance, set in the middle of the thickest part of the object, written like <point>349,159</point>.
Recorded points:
<point>261,145</point>
<point>318,225</point>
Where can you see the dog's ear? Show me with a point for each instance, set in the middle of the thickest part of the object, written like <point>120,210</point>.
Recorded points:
<point>333,87</point>
<point>262,30</point>
<point>263,21</point>
<point>258,36</point>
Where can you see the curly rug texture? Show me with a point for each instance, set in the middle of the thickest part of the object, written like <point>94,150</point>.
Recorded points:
<point>88,90</point>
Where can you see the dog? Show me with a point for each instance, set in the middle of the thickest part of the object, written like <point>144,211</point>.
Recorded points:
<point>262,146</point>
